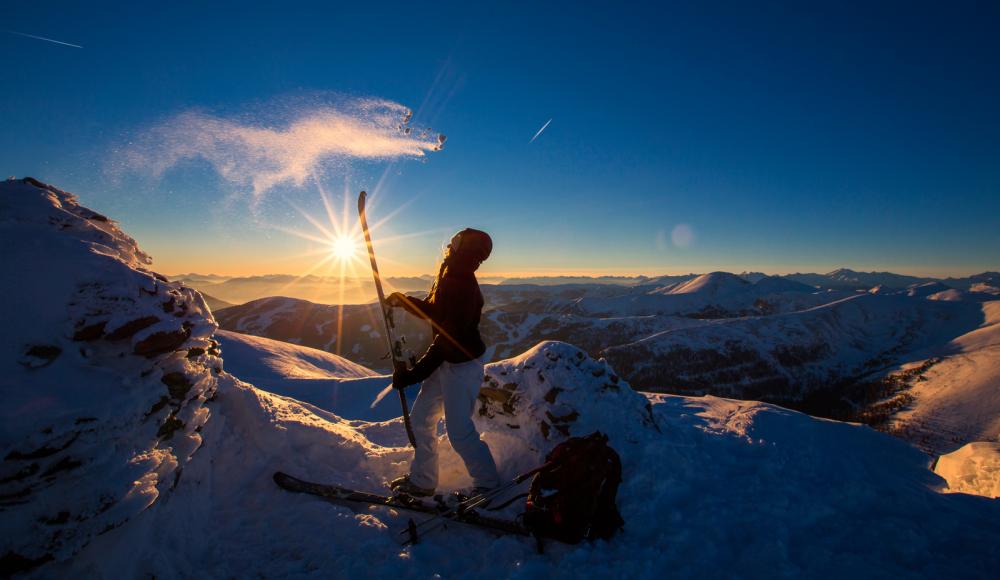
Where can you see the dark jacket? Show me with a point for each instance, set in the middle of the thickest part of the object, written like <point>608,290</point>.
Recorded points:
<point>453,308</point>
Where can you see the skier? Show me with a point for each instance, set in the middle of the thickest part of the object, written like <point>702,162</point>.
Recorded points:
<point>451,369</point>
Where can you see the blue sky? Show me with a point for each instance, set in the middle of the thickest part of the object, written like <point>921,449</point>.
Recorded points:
<point>786,137</point>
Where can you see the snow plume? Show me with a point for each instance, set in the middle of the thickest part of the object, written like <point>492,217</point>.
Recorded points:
<point>261,157</point>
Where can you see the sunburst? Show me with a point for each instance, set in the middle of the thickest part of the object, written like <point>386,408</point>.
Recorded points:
<point>339,248</point>
<point>344,248</point>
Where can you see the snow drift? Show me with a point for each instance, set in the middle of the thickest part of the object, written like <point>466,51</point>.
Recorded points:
<point>974,468</point>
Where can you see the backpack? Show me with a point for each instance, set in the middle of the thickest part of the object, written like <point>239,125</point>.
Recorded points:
<point>575,498</point>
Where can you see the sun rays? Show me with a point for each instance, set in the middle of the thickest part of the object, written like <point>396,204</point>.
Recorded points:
<point>336,246</point>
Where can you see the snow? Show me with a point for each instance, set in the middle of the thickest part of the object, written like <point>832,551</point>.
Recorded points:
<point>926,289</point>
<point>714,284</point>
<point>712,487</point>
<point>728,489</point>
<point>284,360</point>
<point>974,468</point>
<point>958,399</point>
<point>106,370</point>
<point>831,341</point>
<point>309,376</point>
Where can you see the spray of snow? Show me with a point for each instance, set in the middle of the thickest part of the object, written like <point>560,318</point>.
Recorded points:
<point>260,157</point>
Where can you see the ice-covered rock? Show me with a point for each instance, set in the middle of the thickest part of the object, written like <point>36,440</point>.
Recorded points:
<point>106,369</point>
<point>973,468</point>
<point>529,403</point>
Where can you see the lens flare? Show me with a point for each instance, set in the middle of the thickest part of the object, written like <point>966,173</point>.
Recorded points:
<point>344,248</point>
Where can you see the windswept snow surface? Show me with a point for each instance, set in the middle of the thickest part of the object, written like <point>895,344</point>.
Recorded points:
<point>727,489</point>
<point>263,358</point>
<point>974,468</point>
<point>309,375</point>
<point>711,487</point>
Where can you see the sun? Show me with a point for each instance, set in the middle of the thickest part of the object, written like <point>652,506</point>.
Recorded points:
<point>344,248</point>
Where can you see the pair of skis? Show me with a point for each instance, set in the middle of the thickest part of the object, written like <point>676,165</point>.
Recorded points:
<point>440,511</point>
<point>402,358</point>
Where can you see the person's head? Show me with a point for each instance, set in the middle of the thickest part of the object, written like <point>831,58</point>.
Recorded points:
<point>468,248</point>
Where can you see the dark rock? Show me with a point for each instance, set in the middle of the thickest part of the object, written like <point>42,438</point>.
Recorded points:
<point>161,342</point>
<point>178,385</point>
<point>157,406</point>
<point>41,452</point>
<point>26,471</point>
<point>133,326</point>
<point>65,464</point>
<point>91,332</point>
<point>39,355</point>
<point>169,427</point>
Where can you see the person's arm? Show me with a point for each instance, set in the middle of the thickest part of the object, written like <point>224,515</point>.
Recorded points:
<point>456,305</point>
<point>424,368</point>
<point>415,306</point>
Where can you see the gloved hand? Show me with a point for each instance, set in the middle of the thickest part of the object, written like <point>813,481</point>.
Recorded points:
<point>402,378</point>
<point>395,299</point>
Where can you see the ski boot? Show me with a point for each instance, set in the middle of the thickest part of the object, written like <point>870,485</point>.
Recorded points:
<point>403,486</point>
<point>464,499</point>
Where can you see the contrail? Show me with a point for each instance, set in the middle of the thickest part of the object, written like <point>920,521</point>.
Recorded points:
<point>43,38</point>
<point>539,131</point>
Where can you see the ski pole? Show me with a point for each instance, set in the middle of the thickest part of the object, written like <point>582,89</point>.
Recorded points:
<point>406,417</point>
<point>390,335</point>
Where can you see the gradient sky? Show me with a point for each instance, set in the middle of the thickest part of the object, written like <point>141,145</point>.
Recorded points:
<point>783,136</point>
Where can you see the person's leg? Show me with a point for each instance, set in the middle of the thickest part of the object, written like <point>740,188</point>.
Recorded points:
<point>424,417</point>
<point>461,387</point>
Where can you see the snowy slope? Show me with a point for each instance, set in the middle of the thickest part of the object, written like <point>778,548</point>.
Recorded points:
<point>712,487</point>
<point>352,331</point>
<point>713,285</point>
<point>726,489</point>
<point>785,356</point>
<point>958,399</point>
<point>308,375</point>
<point>263,358</point>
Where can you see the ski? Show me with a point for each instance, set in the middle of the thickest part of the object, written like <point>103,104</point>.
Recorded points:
<point>401,357</point>
<point>433,506</point>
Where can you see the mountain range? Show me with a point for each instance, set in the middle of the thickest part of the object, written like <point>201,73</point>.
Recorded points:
<point>360,290</point>
<point>833,352</point>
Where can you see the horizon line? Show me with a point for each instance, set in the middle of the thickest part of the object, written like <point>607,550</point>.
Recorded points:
<point>594,275</point>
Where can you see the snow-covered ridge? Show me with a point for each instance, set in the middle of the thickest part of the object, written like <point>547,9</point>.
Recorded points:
<point>352,330</point>
<point>711,487</point>
<point>272,358</point>
<point>714,284</point>
<point>107,368</point>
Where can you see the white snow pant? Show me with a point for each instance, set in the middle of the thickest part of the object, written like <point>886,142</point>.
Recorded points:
<point>453,389</point>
